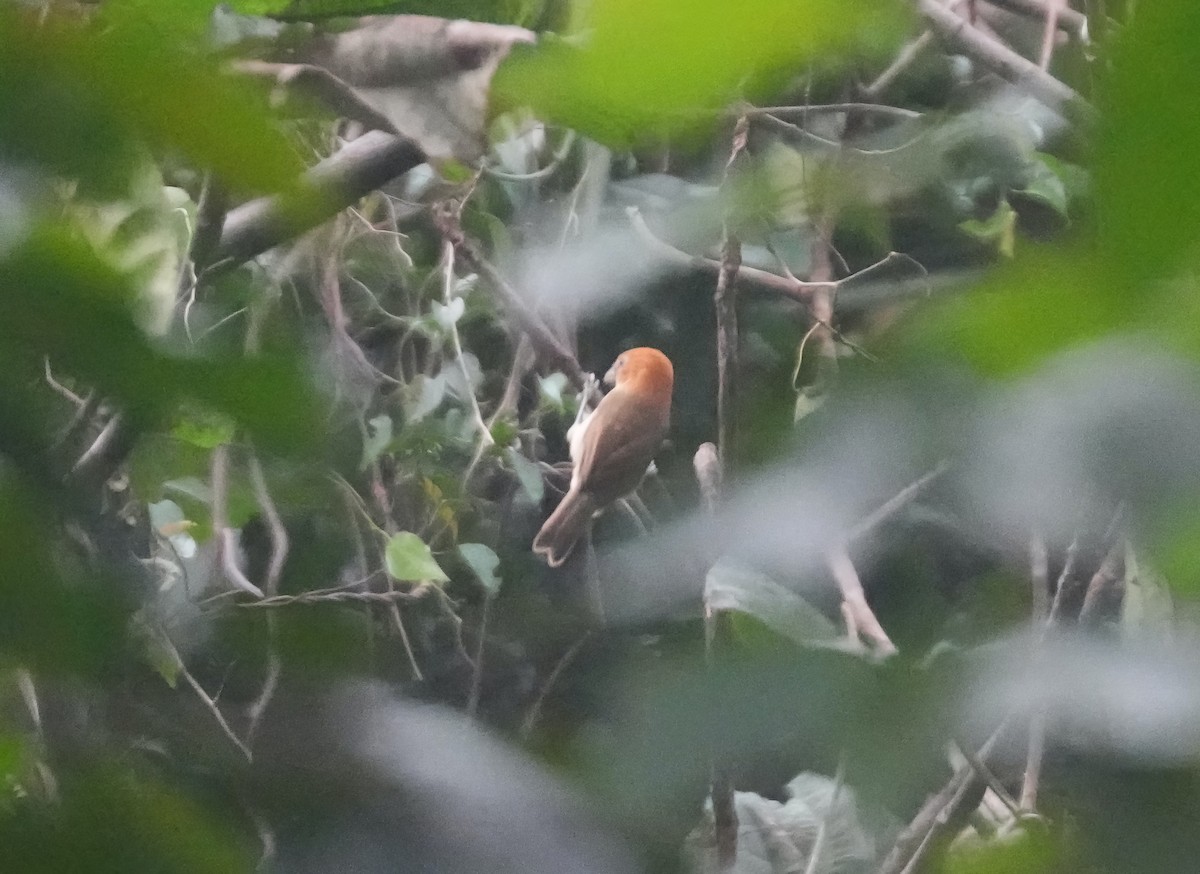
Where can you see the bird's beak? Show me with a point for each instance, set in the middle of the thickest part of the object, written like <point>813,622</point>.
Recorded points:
<point>610,378</point>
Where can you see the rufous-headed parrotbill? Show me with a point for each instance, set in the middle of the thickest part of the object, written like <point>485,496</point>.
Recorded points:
<point>611,448</point>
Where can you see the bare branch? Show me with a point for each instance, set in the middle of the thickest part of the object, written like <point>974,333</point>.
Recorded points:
<point>222,533</point>
<point>854,599</point>
<point>356,170</point>
<point>548,348</point>
<point>894,505</point>
<point>960,35</point>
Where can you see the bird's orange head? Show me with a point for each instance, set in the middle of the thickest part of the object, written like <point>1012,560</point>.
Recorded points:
<point>643,370</point>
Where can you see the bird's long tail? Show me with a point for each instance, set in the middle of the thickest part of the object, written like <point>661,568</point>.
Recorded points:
<point>565,526</point>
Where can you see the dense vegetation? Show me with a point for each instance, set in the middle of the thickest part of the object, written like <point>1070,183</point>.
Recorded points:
<point>296,308</point>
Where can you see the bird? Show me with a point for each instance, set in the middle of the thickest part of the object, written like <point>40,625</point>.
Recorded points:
<point>611,447</point>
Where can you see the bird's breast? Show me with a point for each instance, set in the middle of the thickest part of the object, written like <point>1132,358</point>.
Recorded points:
<point>575,443</point>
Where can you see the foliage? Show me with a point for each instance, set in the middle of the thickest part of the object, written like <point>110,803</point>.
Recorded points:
<point>267,490</point>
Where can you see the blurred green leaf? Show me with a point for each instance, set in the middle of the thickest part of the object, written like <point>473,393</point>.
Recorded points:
<point>141,83</point>
<point>528,474</point>
<point>729,586</point>
<point>52,621</point>
<point>1147,189</point>
<point>203,430</point>
<point>483,562</point>
<point>59,300</point>
<point>1042,303</point>
<point>999,230</point>
<point>112,819</point>
<point>1047,186</point>
<point>647,67</point>
<point>1020,852</point>
<point>410,560</point>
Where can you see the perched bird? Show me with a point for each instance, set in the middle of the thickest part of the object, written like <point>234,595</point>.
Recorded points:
<point>612,447</point>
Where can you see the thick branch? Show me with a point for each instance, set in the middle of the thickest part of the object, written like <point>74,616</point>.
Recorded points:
<point>356,170</point>
<point>961,36</point>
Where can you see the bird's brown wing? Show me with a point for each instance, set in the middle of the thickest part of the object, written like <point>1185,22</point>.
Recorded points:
<point>619,445</point>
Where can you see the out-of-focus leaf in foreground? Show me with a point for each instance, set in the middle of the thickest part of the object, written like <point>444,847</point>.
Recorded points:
<point>644,67</point>
<point>113,820</point>
<point>51,620</point>
<point>72,95</point>
<point>59,299</point>
<point>1148,190</point>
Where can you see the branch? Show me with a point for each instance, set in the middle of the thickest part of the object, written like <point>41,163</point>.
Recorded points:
<point>795,289</point>
<point>279,553</point>
<point>725,305</point>
<point>356,170</point>
<point>222,533</point>
<point>961,36</point>
<point>894,505</point>
<point>322,86</point>
<point>546,346</point>
<point>854,600</point>
<point>718,633</point>
<point>1070,20</point>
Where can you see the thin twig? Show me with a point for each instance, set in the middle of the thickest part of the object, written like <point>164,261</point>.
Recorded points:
<point>334,596</point>
<point>725,305</point>
<point>477,671</point>
<point>279,553</point>
<point>535,711</point>
<point>896,68</point>
<point>825,108</point>
<point>79,421</point>
<point>854,599</point>
<point>1053,8</point>
<point>818,847</point>
<point>485,434</point>
<point>1069,20</point>
<point>224,535</point>
<point>204,697</point>
<point>546,346</point>
<point>1039,575</point>
<point>894,505</point>
<point>718,633</point>
<point>59,387</point>
<point>939,813</point>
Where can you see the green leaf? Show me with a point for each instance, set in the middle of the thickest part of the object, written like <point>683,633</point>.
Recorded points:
<point>378,440</point>
<point>410,560</point>
<point>204,430</point>
<point>729,586</point>
<point>528,475</point>
<point>483,562</point>
<point>649,67</point>
<point>1043,302</point>
<point>1047,186</point>
<point>155,651</point>
<point>141,80</point>
<point>998,230</point>
<point>1148,191</point>
<point>58,299</point>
